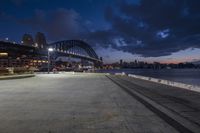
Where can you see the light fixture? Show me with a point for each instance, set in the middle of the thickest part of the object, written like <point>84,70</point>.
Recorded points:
<point>50,49</point>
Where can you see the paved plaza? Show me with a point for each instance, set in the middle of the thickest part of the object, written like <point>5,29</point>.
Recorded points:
<point>73,103</point>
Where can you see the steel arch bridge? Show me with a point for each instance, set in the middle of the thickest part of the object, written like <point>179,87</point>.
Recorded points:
<point>67,48</point>
<point>75,48</point>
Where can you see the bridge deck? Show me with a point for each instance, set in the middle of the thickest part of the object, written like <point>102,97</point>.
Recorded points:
<point>84,103</point>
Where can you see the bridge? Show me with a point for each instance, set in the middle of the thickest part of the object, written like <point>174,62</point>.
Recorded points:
<point>67,48</point>
<point>75,48</point>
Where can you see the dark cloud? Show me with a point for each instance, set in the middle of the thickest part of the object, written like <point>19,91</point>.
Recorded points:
<point>58,24</point>
<point>13,2</point>
<point>4,17</point>
<point>1,14</point>
<point>150,28</point>
<point>17,2</point>
<point>101,38</point>
<point>162,27</point>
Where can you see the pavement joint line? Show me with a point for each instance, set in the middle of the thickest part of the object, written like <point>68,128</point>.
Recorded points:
<point>179,123</point>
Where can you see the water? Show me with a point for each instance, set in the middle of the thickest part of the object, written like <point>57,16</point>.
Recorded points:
<point>187,76</point>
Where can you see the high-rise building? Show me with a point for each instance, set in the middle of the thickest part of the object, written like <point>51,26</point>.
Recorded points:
<point>27,39</point>
<point>121,62</point>
<point>101,58</point>
<point>40,40</point>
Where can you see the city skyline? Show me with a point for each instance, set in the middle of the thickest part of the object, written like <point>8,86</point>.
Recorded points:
<point>128,30</point>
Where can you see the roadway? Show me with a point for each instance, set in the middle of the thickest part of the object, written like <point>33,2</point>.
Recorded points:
<point>86,103</point>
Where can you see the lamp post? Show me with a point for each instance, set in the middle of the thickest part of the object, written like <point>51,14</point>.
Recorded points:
<point>49,50</point>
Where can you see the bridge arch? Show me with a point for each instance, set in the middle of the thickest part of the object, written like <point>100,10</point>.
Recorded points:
<point>66,45</point>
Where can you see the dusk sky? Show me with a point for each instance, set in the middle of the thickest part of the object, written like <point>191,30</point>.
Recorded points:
<point>148,30</point>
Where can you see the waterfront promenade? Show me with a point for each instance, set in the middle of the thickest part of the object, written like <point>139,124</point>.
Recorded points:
<point>95,103</point>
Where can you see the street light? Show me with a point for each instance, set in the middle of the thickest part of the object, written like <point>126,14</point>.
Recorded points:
<point>49,50</point>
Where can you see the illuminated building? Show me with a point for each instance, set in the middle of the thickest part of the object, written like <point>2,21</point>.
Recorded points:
<point>27,39</point>
<point>40,40</point>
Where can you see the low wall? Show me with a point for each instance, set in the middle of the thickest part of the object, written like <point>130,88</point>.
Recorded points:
<point>165,82</point>
<point>16,76</point>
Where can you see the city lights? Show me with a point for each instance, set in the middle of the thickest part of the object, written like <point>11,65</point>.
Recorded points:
<point>50,49</point>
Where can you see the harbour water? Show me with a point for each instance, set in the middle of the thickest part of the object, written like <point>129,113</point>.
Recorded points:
<point>187,76</point>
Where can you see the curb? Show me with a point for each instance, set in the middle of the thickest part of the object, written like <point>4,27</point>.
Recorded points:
<point>16,76</point>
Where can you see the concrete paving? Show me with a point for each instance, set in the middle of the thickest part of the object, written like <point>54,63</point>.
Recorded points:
<point>181,102</point>
<point>67,103</point>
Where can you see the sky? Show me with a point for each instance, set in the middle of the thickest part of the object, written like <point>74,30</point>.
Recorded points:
<point>166,31</point>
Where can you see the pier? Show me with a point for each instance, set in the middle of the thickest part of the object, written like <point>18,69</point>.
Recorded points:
<point>96,103</point>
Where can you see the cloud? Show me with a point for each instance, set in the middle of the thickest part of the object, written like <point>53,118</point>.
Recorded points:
<point>162,27</point>
<point>1,13</point>
<point>150,28</point>
<point>58,24</point>
<point>17,2</point>
<point>13,2</point>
